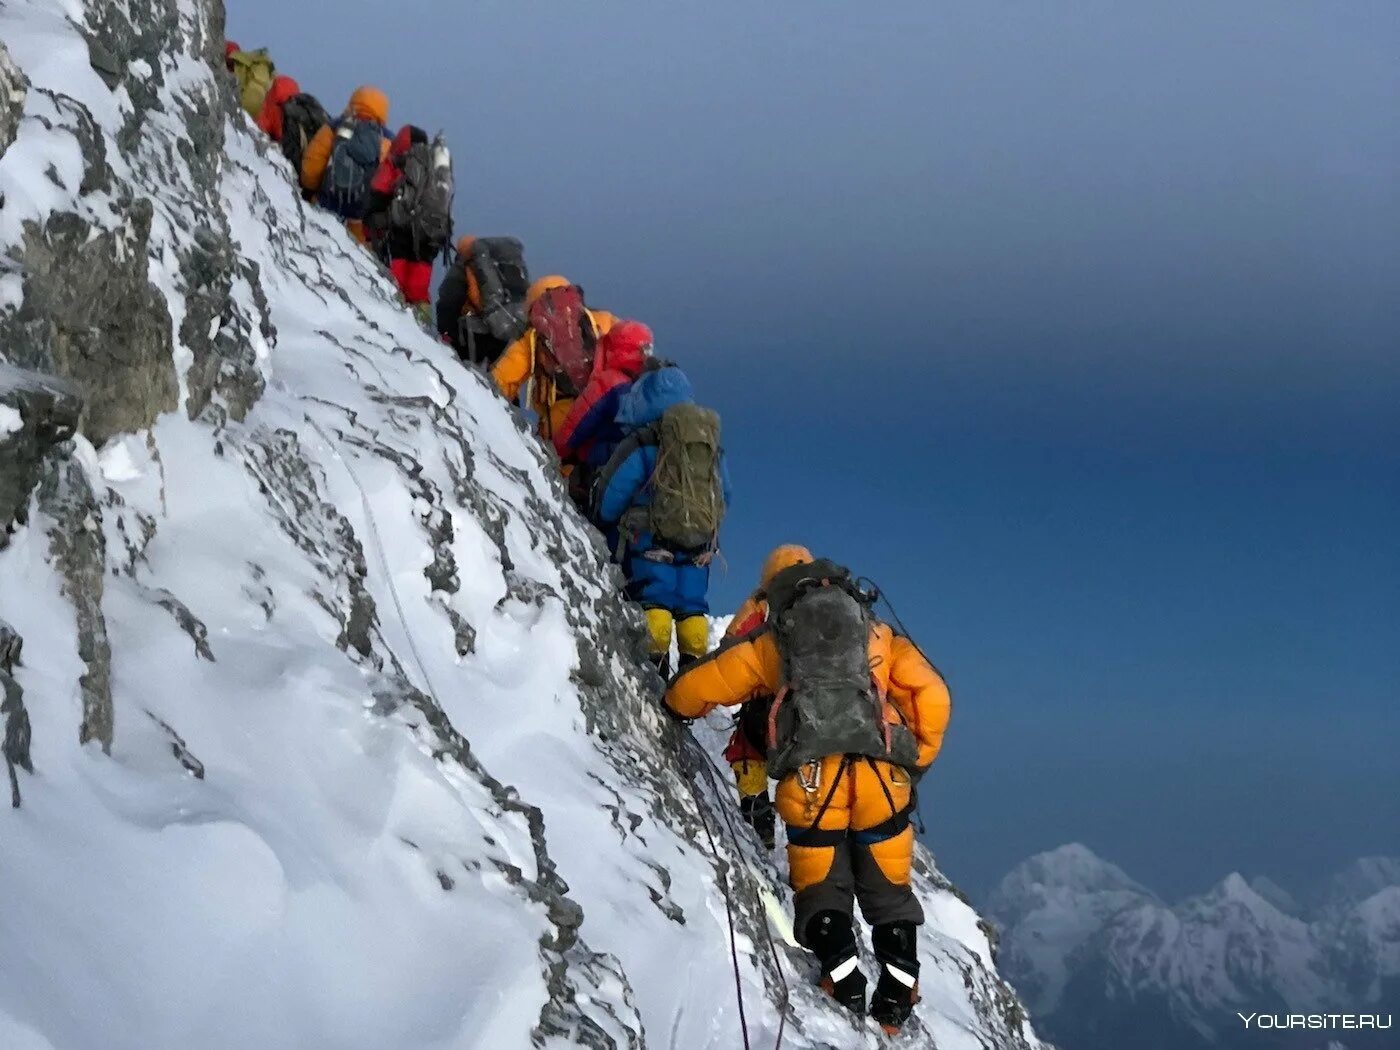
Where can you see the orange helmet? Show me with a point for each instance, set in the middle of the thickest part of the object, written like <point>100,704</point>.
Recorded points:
<point>369,103</point>
<point>464,244</point>
<point>545,284</point>
<point>784,557</point>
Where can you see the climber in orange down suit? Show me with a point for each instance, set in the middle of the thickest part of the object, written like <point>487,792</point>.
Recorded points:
<point>858,717</point>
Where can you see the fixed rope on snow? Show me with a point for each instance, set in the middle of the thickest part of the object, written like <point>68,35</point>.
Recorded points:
<point>706,764</point>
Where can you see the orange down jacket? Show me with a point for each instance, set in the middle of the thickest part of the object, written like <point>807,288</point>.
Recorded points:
<point>752,666</point>
<point>367,103</point>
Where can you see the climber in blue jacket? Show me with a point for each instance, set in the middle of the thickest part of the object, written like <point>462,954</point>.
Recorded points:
<point>664,524</point>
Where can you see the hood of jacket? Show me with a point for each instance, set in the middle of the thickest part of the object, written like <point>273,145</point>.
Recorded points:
<point>624,349</point>
<point>651,395</point>
<point>369,103</point>
<point>283,89</point>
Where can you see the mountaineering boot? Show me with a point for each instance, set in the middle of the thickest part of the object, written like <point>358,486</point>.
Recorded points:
<point>832,940</point>
<point>758,813</point>
<point>897,990</point>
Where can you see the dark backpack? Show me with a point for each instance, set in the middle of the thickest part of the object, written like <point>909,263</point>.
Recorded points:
<point>565,338</point>
<point>687,500</point>
<point>354,160</point>
<point>829,703</point>
<point>422,204</point>
<point>498,264</point>
<point>302,117</point>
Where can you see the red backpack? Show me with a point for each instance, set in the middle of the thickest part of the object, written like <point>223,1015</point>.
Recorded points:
<point>564,338</point>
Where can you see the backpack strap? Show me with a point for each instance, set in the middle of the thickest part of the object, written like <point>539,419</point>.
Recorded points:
<point>773,709</point>
<point>633,442</point>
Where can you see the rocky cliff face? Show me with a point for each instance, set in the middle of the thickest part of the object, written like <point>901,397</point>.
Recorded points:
<point>324,723</point>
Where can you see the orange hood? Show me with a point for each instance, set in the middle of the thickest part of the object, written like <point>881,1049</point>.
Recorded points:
<point>369,103</point>
<point>784,557</point>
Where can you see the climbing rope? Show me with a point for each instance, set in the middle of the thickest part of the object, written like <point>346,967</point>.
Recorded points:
<point>378,544</point>
<point>728,904</point>
<point>706,764</point>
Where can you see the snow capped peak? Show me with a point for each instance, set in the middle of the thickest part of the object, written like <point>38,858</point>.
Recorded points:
<point>1235,888</point>
<point>1361,879</point>
<point>1073,868</point>
<point>1082,945</point>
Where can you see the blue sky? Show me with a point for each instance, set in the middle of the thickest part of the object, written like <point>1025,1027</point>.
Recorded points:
<point>1075,326</point>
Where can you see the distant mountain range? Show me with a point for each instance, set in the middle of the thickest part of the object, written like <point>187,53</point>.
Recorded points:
<point>1104,964</point>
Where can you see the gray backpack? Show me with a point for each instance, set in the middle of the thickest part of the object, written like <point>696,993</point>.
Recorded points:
<point>422,204</point>
<point>687,502</point>
<point>829,703</point>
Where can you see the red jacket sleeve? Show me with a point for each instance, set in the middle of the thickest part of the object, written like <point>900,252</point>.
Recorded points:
<point>594,392</point>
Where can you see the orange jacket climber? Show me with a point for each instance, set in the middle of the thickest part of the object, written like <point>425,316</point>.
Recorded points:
<point>522,362</point>
<point>367,103</point>
<point>915,695</point>
<point>846,807</point>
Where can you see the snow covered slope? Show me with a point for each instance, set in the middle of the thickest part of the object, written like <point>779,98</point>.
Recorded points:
<point>1102,960</point>
<point>337,733</point>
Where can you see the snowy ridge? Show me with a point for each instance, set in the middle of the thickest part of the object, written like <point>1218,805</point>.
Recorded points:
<point>1098,955</point>
<point>338,733</point>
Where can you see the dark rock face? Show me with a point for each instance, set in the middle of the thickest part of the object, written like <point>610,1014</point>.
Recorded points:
<point>15,746</point>
<point>48,411</point>
<point>79,551</point>
<point>90,312</point>
<point>91,315</point>
<point>223,379</point>
<point>14,87</point>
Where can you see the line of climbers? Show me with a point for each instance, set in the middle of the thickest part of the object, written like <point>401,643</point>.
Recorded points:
<point>845,713</point>
<point>394,192</point>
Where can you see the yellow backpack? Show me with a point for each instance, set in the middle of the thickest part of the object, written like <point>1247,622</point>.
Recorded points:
<point>255,73</point>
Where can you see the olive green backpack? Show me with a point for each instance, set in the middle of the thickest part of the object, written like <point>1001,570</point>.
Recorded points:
<point>687,503</point>
<point>255,73</point>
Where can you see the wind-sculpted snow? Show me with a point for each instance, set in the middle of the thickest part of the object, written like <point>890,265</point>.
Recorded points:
<point>337,730</point>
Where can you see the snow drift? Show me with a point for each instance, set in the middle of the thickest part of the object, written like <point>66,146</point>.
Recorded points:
<point>324,722</point>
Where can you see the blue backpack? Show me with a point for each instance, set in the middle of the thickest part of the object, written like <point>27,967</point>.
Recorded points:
<point>354,160</point>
